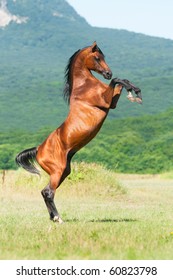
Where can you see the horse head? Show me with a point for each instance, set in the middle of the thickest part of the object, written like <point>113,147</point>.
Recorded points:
<point>95,61</point>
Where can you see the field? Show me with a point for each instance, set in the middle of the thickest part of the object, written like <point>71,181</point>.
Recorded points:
<point>106,215</point>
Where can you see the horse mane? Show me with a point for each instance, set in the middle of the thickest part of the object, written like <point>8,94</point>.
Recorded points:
<point>68,86</point>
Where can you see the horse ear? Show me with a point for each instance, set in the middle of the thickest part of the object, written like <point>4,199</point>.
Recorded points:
<point>94,47</point>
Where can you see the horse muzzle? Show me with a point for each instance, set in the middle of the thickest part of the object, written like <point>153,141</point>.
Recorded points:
<point>107,74</point>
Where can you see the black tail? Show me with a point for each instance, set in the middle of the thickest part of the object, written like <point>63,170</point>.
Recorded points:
<point>26,160</point>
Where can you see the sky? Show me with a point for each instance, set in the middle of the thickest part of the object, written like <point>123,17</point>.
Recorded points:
<point>150,17</point>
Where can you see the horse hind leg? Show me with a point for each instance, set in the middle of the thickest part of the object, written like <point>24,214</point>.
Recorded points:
<point>48,192</point>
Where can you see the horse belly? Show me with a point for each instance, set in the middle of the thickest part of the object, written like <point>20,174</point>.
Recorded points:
<point>82,130</point>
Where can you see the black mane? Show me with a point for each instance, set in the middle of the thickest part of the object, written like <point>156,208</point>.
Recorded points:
<point>67,87</point>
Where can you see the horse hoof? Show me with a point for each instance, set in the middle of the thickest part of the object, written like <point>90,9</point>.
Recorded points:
<point>58,220</point>
<point>130,97</point>
<point>138,100</point>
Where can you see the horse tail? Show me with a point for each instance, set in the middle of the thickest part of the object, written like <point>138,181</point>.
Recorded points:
<point>26,160</point>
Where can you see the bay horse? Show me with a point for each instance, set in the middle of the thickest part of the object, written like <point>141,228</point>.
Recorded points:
<point>90,101</point>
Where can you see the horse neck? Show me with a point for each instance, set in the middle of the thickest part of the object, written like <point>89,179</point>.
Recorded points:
<point>79,77</point>
<point>80,74</point>
<point>80,71</point>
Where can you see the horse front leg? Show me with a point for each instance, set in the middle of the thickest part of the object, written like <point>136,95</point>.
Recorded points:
<point>129,87</point>
<point>117,92</point>
<point>137,91</point>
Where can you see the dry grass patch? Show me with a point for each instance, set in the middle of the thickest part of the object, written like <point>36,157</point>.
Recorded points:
<point>107,216</point>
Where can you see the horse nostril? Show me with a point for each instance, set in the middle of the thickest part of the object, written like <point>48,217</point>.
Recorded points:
<point>109,74</point>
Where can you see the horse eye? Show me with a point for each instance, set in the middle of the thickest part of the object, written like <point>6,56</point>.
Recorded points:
<point>97,58</point>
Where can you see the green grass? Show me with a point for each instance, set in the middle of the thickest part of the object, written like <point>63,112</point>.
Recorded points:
<point>107,216</point>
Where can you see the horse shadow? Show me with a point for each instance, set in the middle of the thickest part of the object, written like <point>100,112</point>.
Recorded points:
<point>113,220</point>
<point>103,220</point>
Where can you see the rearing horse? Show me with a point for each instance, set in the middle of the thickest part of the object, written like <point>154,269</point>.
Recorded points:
<point>90,101</point>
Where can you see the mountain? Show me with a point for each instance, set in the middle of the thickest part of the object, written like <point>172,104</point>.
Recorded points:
<point>38,37</point>
<point>40,24</point>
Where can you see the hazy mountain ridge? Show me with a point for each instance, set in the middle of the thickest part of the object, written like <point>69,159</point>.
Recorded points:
<point>35,11</point>
<point>34,55</point>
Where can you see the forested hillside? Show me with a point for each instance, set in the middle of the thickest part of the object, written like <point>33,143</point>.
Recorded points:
<point>131,145</point>
<point>34,55</point>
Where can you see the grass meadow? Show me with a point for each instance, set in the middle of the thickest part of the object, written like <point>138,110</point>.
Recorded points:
<point>106,215</point>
